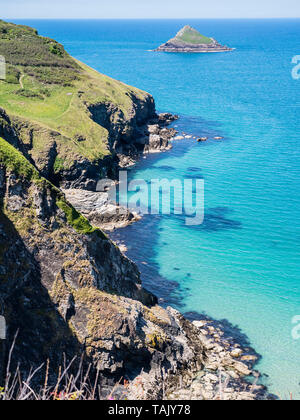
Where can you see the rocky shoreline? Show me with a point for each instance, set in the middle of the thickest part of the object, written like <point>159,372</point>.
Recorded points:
<point>152,137</point>
<point>226,365</point>
<point>223,373</point>
<point>96,206</point>
<point>228,370</point>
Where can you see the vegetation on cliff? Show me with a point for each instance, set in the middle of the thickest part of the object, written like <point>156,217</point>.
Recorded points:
<point>14,161</point>
<point>47,90</point>
<point>71,293</point>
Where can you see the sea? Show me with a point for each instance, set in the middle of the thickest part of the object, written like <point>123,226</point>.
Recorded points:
<point>242,264</point>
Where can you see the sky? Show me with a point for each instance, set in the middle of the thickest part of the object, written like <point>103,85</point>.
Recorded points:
<point>118,9</point>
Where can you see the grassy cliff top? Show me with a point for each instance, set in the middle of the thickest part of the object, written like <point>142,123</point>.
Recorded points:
<point>190,35</point>
<point>45,85</point>
<point>41,58</point>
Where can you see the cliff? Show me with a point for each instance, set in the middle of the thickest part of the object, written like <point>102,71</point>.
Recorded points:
<point>74,124</point>
<point>189,40</point>
<point>64,286</point>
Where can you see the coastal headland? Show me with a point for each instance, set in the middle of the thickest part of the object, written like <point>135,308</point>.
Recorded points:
<point>64,285</point>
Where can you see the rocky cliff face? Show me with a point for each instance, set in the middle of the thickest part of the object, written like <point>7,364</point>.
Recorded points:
<point>63,284</point>
<point>70,291</point>
<point>143,132</point>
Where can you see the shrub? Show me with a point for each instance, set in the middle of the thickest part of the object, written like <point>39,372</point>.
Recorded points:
<point>40,57</point>
<point>12,74</point>
<point>27,93</point>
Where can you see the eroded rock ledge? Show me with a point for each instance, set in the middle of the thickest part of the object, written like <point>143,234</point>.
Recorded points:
<point>189,40</point>
<point>100,210</point>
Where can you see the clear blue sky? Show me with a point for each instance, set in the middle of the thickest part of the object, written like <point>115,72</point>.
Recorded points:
<point>14,9</point>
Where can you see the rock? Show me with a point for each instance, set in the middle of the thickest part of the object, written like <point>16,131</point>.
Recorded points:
<point>153,129</point>
<point>242,368</point>
<point>156,136</point>
<point>212,366</point>
<point>211,378</point>
<point>167,117</point>
<point>208,344</point>
<point>233,374</point>
<point>236,353</point>
<point>199,324</point>
<point>155,141</point>
<point>249,358</point>
<point>122,248</point>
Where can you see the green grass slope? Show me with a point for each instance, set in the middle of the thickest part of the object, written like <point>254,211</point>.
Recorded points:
<point>46,86</point>
<point>191,36</point>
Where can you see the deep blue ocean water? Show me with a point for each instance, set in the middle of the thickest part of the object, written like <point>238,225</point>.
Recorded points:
<point>243,263</point>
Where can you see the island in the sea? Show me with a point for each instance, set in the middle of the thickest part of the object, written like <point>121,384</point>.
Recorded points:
<point>189,40</point>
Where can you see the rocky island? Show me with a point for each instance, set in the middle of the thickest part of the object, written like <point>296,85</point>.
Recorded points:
<point>72,301</point>
<point>189,40</point>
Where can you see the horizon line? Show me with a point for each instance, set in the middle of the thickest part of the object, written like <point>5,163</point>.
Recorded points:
<point>153,18</point>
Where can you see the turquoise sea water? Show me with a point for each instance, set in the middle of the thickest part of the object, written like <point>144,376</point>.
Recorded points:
<point>243,263</point>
